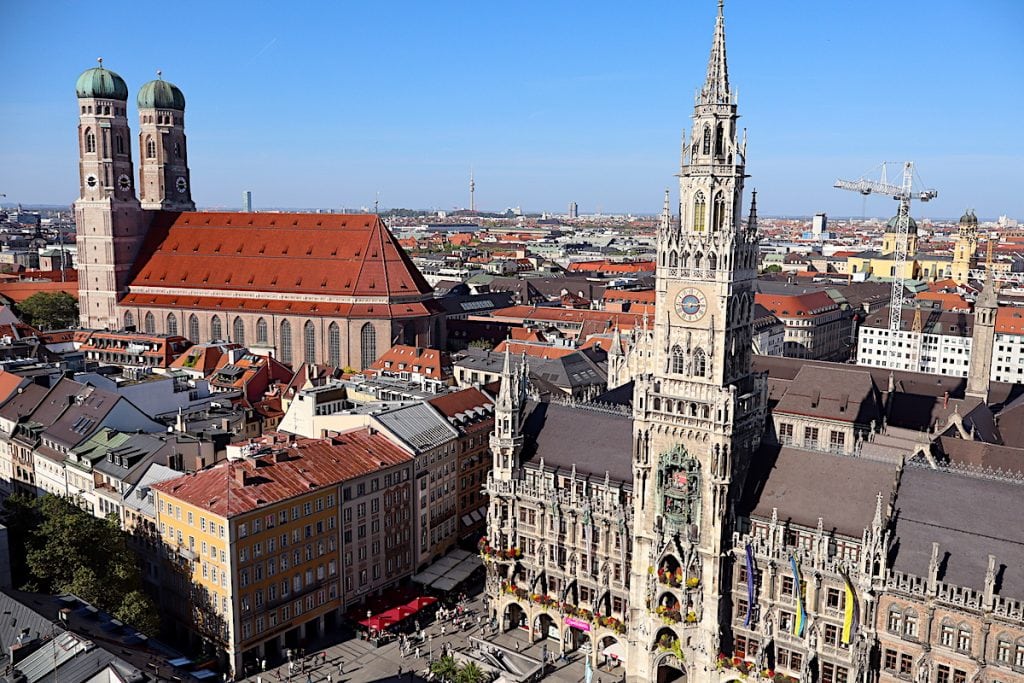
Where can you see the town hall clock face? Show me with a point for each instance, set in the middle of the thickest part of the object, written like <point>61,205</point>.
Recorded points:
<point>691,304</point>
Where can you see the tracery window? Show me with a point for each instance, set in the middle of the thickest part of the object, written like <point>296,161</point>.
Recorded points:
<point>700,212</point>
<point>285,342</point>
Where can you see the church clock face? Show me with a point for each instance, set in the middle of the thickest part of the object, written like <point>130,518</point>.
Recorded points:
<point>124,182</point>
<point>691,304</point>
<point>181,184</point>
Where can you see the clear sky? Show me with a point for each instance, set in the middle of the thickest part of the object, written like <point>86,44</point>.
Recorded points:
<point>325,104</point>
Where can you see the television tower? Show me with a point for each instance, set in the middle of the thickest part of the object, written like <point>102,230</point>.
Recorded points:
<point>472,189</point>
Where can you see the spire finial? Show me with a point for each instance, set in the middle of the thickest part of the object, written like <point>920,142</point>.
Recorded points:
<point>716,86</point>
<point>100,61</point>
<point>160,74</point>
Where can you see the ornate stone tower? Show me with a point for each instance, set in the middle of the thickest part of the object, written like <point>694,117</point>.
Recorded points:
<point>966,245</point>
<point>108,216</point>
<point>164,182</point>
<point>982,339</point>
<point>698,411</point>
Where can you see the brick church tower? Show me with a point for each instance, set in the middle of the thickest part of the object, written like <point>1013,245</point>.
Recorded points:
<point>109,218</point>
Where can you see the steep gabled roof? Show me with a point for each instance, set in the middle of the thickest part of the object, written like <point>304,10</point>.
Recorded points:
<point>281,253</point>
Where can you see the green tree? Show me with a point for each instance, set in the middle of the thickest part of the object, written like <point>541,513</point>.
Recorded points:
<point>49,310</point>
<point>484,344</point>
<point>472,673</point>
<point>138,609</point>
<point>774,268</point>
<point>71,551</point>
<point>445,669</point>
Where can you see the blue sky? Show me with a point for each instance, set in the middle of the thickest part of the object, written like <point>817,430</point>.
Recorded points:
<point>327,104</point>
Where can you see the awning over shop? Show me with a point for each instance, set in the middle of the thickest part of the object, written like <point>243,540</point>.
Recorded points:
<point>616,651</point>
<point>397,614</point>
<point>449,571</point>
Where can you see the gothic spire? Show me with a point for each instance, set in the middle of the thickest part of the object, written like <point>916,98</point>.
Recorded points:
<point>716,86</point>
<point>616,347</point>
<point>752,217</point>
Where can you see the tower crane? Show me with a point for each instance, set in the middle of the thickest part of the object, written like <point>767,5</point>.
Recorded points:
<point>902,193</point>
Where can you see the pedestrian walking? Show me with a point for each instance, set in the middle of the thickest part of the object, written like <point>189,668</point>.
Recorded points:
<point>309,677</point>
<point>517,646</point>
<point>399,673</point>
<point>263,664</point>
<point>328,678</point>
<point>417,652</point>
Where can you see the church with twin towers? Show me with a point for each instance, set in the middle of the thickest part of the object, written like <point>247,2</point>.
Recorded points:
<point>333,289</point>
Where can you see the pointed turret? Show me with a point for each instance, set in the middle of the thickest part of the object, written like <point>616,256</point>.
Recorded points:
<point>507,439</point>
<point>666,213</point>
<point>716,85</point>
<point>616,347</point>
<point>752,217</point>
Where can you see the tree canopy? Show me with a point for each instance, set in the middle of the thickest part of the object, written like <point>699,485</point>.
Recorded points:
<point>68,550</point>
<point>49,310</point>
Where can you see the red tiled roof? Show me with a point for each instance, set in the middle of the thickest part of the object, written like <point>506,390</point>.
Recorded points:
<point>611,267</point>
<point>19,291</point>
<point>280,253</point>
<point>527,334</point>
<point>9,383</point>
<point>457,402</point>
<point>203,357</point>
<point>948,300</point>
<point>796,305</point>
<point>432,363</point>
<point>642,296</point>
<point>1010,320</point>
<point>311,464</point>
<point>534,350</point>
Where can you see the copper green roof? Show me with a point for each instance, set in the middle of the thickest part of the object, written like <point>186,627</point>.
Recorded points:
<point>160,94</point>
<point>100,82</point>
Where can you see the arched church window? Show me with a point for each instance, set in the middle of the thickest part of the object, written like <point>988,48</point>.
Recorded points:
<point>699,363</point>
<point>700,212</point>
<point>309,341</point>
<point>238,331</point>
<point>707,140</point>
<point>334,345</point>
<point>193,328</point>
<point>90,141</point>
<point>216,330</point>
<point>149,323</point>
<point>719,141</point>
<point>367,346</point>
<point>285,342</point>
<point>678,360</point>
<point>150,148</point>
<point>261,331</point>
<point>172,324</point>
<point>719,211</point>
<point>119,144</point>
<point>129,320</point>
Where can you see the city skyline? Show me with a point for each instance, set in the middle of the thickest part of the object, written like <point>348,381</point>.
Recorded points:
<point>554,117</point>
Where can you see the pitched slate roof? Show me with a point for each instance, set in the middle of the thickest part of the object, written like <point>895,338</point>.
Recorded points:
<point>805,485</point>
<point>840,393</point>
<point>970,518</point>
<point>593,439</point>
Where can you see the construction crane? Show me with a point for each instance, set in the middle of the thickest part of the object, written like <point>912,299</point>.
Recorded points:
<point>902,193</point>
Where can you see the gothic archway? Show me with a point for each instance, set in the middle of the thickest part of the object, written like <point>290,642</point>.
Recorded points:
<point>513,617</point>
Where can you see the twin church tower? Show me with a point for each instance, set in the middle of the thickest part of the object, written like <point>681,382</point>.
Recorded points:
<point>108,212</point>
